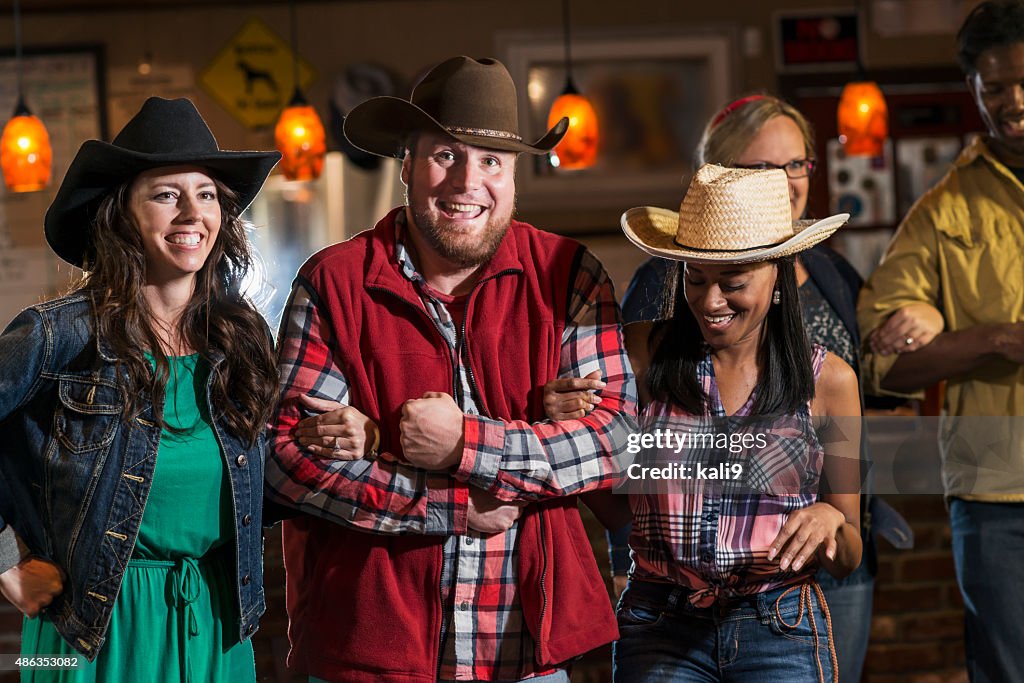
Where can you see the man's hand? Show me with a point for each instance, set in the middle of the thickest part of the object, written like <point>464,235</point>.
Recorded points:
<point>489,515</point>
<point>432,434</point>
<point>1008,340</point>
<point>339,432</point>
<point>32,584</point>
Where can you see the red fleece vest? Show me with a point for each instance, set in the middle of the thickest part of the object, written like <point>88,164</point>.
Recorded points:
<point>365,607</point>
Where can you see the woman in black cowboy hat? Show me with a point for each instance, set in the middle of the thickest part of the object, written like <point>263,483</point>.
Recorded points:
<point>132,414</point>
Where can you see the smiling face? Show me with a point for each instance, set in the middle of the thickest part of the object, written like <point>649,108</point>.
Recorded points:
<point>729,301</point>
<point>998,89</point>
<point>778,143</point>
<point>997,86</point>
<point>461,197</point>
<point>177,213</point>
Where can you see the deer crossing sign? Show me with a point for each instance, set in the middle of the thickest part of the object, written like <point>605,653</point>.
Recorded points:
<point>253,77</point>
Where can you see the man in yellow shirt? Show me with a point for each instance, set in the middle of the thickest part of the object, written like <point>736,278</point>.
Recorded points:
<point>961,250</point>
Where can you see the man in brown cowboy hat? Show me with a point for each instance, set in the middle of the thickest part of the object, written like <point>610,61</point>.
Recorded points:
<point>452,547</point>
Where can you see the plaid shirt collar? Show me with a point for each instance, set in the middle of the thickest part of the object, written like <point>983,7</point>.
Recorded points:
<point>402,255</point>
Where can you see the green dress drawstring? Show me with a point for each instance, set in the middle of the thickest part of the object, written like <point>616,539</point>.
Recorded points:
<point>175,619</point>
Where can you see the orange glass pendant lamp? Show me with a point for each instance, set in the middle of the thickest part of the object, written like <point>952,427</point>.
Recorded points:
<point>863,119</point>
<point>25,152</point>
<point>299,136</point>
<point>578,149</point>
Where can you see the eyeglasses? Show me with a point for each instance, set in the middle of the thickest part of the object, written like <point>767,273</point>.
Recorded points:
<point>798,168</point>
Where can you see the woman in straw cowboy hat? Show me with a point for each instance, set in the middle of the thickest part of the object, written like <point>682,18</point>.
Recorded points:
<point>763,131</point>
<point>134,411</point>
<point>722,587</point>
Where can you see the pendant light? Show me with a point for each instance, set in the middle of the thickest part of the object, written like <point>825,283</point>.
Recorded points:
<point>299,133</point>
<point>26,155</point>
<point>863,116</point>
<point>578,149</point>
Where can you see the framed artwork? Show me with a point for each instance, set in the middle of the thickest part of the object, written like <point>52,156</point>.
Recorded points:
<point>652,92</point>
<point>817,40</point>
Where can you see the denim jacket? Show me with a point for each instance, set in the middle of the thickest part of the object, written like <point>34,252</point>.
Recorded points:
<point>75,476</point>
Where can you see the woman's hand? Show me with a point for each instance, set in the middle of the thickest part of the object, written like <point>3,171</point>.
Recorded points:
<point>32,584</point>
<point>908,329</point>
<point>339,432</point>
<point>571,398</point>
<point>805,532</point>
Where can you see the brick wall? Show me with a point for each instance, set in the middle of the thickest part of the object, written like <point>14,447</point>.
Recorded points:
<point>917,632</point>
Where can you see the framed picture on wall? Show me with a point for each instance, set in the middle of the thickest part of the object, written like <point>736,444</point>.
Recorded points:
<point>652,92</point>
<point>817,40</point>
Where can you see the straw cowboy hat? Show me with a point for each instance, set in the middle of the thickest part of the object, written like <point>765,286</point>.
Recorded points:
<point>163,133</point>
<point>473,101</point>
<point>729,215</point>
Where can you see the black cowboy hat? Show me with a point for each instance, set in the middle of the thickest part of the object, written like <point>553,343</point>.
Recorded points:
<point>163,133</point>
<point>473,101</point>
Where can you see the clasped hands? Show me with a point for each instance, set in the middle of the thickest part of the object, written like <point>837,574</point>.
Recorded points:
<point>430,428</point>
<point>431,438</point>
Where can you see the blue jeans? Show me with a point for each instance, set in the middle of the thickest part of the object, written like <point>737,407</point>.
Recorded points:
<point>664,639</point>
<point>988,549</point>
<point>849,602</point>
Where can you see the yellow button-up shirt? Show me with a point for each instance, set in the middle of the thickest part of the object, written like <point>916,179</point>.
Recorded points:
<point>961,249</point>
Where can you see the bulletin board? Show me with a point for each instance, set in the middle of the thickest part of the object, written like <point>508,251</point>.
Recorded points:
<point>63,87</point>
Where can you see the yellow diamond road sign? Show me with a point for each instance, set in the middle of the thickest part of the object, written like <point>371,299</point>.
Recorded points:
<point>253,76</point>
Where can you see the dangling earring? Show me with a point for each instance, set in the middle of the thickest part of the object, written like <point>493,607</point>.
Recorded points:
<point>777,297</point>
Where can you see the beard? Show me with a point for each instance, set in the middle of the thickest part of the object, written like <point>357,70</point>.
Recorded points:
<point>459,248</point>
<point>450,242</point>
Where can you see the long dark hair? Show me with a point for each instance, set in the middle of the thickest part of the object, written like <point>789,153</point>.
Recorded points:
<point>217,318</point>
<point>786,379</point>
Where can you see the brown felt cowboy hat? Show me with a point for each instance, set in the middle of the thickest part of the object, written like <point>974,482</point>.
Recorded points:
<point>163,133</point>
<point>729,215</point>
<point>472,100</point>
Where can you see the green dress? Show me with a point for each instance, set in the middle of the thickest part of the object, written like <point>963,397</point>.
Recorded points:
<point>176,617</point>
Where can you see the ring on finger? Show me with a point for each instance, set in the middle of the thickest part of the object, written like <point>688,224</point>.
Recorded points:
<point>908,341</point>
<point>337,444</point>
